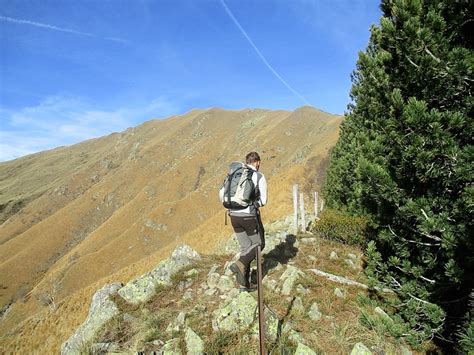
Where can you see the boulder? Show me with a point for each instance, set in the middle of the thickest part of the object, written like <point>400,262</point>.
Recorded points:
<point>102,309</point>
<point>143,288</point>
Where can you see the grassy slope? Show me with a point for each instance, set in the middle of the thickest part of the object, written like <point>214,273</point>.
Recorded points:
<point>89,225</point>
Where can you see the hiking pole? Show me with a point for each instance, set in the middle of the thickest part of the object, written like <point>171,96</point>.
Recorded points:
<point>261,315</point>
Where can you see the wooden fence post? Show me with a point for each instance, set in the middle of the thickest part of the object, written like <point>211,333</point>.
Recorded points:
<point>322,205</point>
<point>295,208</point>
<point>303,222</point>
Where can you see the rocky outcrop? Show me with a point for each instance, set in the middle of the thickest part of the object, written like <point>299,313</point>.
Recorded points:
<point>102,309</point>
<point>143,288</point>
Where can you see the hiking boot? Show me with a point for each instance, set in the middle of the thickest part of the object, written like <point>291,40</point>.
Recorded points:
<point>240,271</point>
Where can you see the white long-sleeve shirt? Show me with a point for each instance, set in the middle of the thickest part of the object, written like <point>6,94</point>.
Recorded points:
<point>262,187</point>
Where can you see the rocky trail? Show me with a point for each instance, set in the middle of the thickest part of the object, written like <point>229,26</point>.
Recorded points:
<point>316,301</point>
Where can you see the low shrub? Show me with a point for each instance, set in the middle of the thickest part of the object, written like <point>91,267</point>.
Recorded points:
<point>336,225</point>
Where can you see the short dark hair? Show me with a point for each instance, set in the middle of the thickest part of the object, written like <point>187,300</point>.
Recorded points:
<point>252,157</point>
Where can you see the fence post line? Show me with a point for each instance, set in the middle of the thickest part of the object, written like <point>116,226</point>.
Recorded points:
<point>303,222</point>
<point>295,208</point>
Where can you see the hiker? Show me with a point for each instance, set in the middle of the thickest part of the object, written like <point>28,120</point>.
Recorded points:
<point>245,217</point>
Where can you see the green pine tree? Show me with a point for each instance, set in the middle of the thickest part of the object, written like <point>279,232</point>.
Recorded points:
<point>405,160</point>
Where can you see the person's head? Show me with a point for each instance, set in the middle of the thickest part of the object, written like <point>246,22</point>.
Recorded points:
<point>253,158</point>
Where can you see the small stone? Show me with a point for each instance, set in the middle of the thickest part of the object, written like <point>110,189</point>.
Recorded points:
<point>271,284</point>
<point>312,257</point>
<point>227,270</point>
<point>302,349</point>
<point>204,285</point>
<point>194,344</point>
<point>213,280</point>
<point>314,312</point>
<point>360,349</point>
<point>302,290</point>
<point>352,256</point>
<point>333,256</point>
<point>340,293</point>
<point>350,263</point>
<point>182,285</point>
<point>188,295</point>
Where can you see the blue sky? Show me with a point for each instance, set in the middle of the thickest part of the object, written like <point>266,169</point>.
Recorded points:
<point>73,70</point>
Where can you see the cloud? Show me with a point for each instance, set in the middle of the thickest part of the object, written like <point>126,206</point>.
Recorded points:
<point>261,56</point>
<point>60,29</point>
<point>59,120</point>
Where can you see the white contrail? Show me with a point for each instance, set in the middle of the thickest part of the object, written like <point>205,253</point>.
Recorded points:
<point>262,57</point>
<point>60,29</point>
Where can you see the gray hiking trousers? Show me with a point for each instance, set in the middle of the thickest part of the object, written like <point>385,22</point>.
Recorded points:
<point>250,233</point>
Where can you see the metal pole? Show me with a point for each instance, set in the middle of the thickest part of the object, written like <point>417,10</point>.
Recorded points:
<point>295,208</point>
<point>261,314</point>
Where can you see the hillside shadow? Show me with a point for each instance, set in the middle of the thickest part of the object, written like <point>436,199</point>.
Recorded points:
<point>281,254</point>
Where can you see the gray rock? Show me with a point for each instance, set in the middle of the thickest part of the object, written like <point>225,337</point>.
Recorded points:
<point>352,256</point>
<point>213,280</point>
<point>236,315</point>
<point>314,312</point>
<point>289,277</point>
<point>194,344</point>
<point>182,285</point>
<point>271,284</point>
<point>298,307</point>
<point>292,334</point>
<point>340,293</point>
<point>382,314</point>
<point>312,257</point>
<point>143,288</point>
<point>177,324</point>
<point>360,349</point>
<point>302,349</point>
<point>102,309</point>
<point>333,256</point>
<point>225,284</point>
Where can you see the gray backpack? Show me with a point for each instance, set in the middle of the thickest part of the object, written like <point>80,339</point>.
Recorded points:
<point>239,189</point>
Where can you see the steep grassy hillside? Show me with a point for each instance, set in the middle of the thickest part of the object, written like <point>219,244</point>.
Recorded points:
<point>76,216</point>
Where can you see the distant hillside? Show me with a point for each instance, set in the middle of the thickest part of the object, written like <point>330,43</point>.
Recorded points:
<point>117,204</point>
